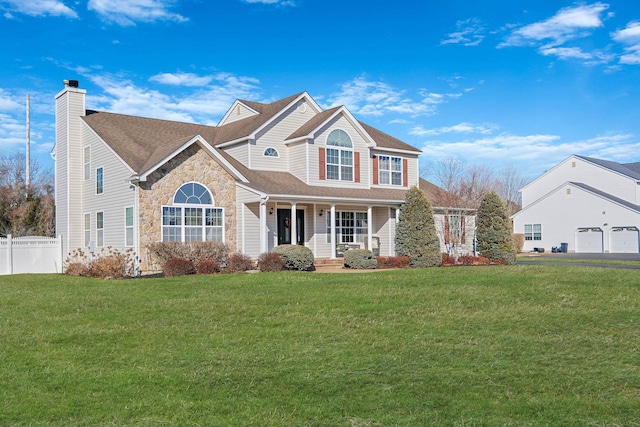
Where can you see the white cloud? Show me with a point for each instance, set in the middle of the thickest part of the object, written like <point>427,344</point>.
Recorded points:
<point>276,2</point>
<point>533,153</point>
<point>203,104</point>
<point>567,24</point>
<point>181,79</point>
<point>129,12</point>
<point>37,8</point>
<point>369,98</point>
<point>483,129</point>
<point>630,36</point>
<point>470,32</point>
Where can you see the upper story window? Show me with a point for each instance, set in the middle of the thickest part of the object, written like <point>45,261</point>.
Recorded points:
<point>390,170</point>
<point>99,180</point>
<point>271,152</point>
<point>192,216</point>
<point>533,232</point>
<point>339,156</point>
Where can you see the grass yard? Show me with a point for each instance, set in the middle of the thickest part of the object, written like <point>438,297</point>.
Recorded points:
<point>474,346</point>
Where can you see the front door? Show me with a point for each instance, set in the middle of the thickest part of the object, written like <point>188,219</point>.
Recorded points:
<point>284,226</point>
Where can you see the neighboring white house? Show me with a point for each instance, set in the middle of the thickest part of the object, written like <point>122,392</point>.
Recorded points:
<point>593,205</point>
<point>268,174</point>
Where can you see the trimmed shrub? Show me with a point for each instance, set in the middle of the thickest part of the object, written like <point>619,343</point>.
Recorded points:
<point>193,251</point>
<point>207,266</point>
<point>238,263</point>
<point>359,258</point>
<point>270,262</point>
<point>393,261</point>
<point>296,257</point>
<point>494,230</point>
<point>448,259</point>
<point>483,260</point>
<point>178,267</point>
<point>75,269</point>
<point>416,235</point>
<point>467,259</point>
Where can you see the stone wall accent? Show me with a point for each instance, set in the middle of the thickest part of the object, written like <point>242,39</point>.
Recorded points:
<point>192,165</point>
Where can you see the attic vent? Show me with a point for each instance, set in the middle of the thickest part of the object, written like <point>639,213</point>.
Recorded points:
<point>568,191</point>
<point>573,164</point>
<point>238,110</point>
<point>302,107</point>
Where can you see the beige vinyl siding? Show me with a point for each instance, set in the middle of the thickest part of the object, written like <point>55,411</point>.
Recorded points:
<point>240,152</point>
<point>248,223</point>
<point>237,112</point>
<point>298,163</point>
<point>385,228</point>
<point>61,170</point>
<point>359,144</point>
<point>117,195</point>
<point>275,134</point>
<point>69,108</point>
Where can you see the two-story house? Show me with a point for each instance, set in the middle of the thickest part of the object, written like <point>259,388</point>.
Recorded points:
<point>268,174</point>
<point>592,205</point>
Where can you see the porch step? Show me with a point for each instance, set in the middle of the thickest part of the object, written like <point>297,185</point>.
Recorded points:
<point>329,263</point>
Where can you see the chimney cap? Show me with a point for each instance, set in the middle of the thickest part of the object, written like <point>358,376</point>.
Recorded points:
<point>70,83</point>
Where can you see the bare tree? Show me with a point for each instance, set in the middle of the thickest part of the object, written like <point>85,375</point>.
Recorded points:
<point>509,184</point>
<point>25,210</point>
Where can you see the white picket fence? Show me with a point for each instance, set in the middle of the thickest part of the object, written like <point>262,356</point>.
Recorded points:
<point>30,255</point>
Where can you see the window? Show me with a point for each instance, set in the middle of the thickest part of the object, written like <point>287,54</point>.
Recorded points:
<point>99,181</point>
<point>340,159</point>
<point>100,229</point>
<point>193,216</point>
<point>271,152</point>
<point>532,232</point>
<point>390,170</point>
<point>454,229</point>
<point>351,227</point>
<point>128,226</point>
<point>87,163</point>
<point>87,230</point>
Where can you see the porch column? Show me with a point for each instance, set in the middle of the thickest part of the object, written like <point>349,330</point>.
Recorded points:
<point>370,228</point>
<point>333,231</point>
<point>294,224</point>
<point>263,226</point>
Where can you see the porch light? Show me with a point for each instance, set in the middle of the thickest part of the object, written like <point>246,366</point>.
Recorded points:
<point>321,212</point>
<point>271,211</point>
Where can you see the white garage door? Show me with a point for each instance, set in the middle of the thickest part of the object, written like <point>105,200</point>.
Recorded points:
<point>624,240</point>
<point>589,240</point>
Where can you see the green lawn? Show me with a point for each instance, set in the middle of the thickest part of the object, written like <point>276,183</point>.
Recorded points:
<point>473,346</point>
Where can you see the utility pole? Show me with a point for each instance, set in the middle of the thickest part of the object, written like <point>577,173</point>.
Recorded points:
<point>28,169</point>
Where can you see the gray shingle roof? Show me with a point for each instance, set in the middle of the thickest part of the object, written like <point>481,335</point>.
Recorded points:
<point>144,142</point>
<point>629,169</point>
<point>607,196</point>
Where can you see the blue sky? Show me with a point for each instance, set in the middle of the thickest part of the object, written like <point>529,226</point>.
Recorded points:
<point>496,83</point>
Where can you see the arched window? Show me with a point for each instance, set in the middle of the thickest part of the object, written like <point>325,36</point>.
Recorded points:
<point>192,217</point>
<point>339,156</point>
<point>271,152</point>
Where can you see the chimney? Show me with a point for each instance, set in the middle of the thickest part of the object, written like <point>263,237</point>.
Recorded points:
<point>70,83</point>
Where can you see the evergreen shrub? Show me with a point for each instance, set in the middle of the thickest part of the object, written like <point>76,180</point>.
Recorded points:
<point>493,231</point>
<point>360,259</point>
<point>296,257</point>
<point>416,235</point>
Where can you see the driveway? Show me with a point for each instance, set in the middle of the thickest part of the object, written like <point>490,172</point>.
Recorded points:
<point>543,258</point>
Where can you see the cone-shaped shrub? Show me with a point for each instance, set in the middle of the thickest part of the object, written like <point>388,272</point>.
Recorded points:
<point>416,231</point>
<point>494,230</point>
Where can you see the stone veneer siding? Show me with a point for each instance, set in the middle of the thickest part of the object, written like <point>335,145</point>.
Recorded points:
<point>192,165</point>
